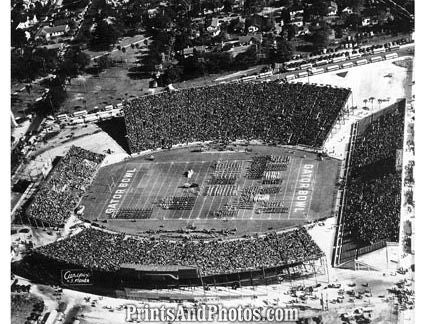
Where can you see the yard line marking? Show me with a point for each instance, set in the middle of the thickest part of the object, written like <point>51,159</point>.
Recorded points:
<point>194,180</point>
<point>134,188</point>
<point>295,189</point>
<point>174,190</point>
<point>287,181</point>
<point>162,183</point>
<point>202,196</point>
<point>205,197</point>
<point>151,188</point>
<point>140,197</point>
<point>313,182</point>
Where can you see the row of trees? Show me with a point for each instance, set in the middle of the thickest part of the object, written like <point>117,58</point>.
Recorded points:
<point>201,64</point>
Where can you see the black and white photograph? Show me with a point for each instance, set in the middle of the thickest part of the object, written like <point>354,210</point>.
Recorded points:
<point>217,161</point>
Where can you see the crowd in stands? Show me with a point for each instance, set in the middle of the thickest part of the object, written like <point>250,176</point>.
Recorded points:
<point>373,208</point>
<point>373,190</point>
<point>60,193</point>
<point>273,112</point>
<point>380,140</point>
<point>99,250</point>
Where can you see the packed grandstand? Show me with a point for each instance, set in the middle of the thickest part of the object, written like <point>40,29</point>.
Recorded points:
<point>61,192</point>
<point>276,112</point>
<point>373,188</point>
<point>103,251</point>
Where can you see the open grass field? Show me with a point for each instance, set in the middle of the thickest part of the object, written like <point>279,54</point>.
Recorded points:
<point>134,193</point>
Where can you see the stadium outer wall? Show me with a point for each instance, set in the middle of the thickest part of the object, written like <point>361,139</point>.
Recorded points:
<point>46,271</point>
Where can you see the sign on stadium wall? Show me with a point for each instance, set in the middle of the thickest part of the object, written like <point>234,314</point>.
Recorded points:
<point>76,277</point>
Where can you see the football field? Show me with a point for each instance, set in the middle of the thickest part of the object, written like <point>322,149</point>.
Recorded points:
<point>265,183</point>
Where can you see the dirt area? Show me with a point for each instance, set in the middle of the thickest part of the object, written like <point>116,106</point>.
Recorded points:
<point>91,137</point>
<point>111,87</point>
<point>383,80</point>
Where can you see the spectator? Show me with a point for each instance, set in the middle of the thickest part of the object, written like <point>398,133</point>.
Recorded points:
<point>272,112</point>
<point>59,195</point>
<point>99,250</point>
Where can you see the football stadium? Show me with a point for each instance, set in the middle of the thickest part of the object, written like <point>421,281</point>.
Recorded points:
<point>219,184</point>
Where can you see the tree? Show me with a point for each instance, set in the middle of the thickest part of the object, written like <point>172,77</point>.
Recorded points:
<point>354,21</point>
<point>372,99</point>
<point>103,36</point>
<point>320,39</point>
<point>29,63</point>
<point>104,62</point>
<point>73,63</point>
<point>292,29</point>
<point>284,50</point>
<point>18,38</point>
<point>253,6</point>
<point>172,74</point>
<point>56,95</point>
<point>192,67</point>
<point>182,41</point>
<point>248,58</point>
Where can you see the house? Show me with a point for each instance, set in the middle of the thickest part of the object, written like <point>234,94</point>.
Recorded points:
<point>297,21</point>
<point>29,3</point>
<point>251,39</point>
<point>347,11</point>
<point>304,30</point>
<point>332,9</point>
<point>253,29</point>
<point>53,32</point>
<point>152,12</point>
<point>368,21</point>
<point>214,27</point>
<point>28,23</point>
<point>278,27</point>
<point>190,51</point>
<point>296,12</point>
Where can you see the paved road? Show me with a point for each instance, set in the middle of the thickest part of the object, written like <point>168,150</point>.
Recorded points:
<point>405,51</point>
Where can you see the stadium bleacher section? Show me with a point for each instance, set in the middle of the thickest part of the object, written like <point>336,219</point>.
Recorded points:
<point>272,112</point>
<point>373,189</point>
<point>101,251</point>
<point>60,193</point>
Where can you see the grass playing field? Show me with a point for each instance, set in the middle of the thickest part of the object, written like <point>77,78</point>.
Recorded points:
<point>133,194</point>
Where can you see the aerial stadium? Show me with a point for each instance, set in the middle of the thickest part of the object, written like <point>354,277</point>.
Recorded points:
<point>217,191</point>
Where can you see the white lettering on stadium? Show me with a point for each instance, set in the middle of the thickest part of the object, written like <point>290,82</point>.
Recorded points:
<point>305,186</point>
<point>119,193</point>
